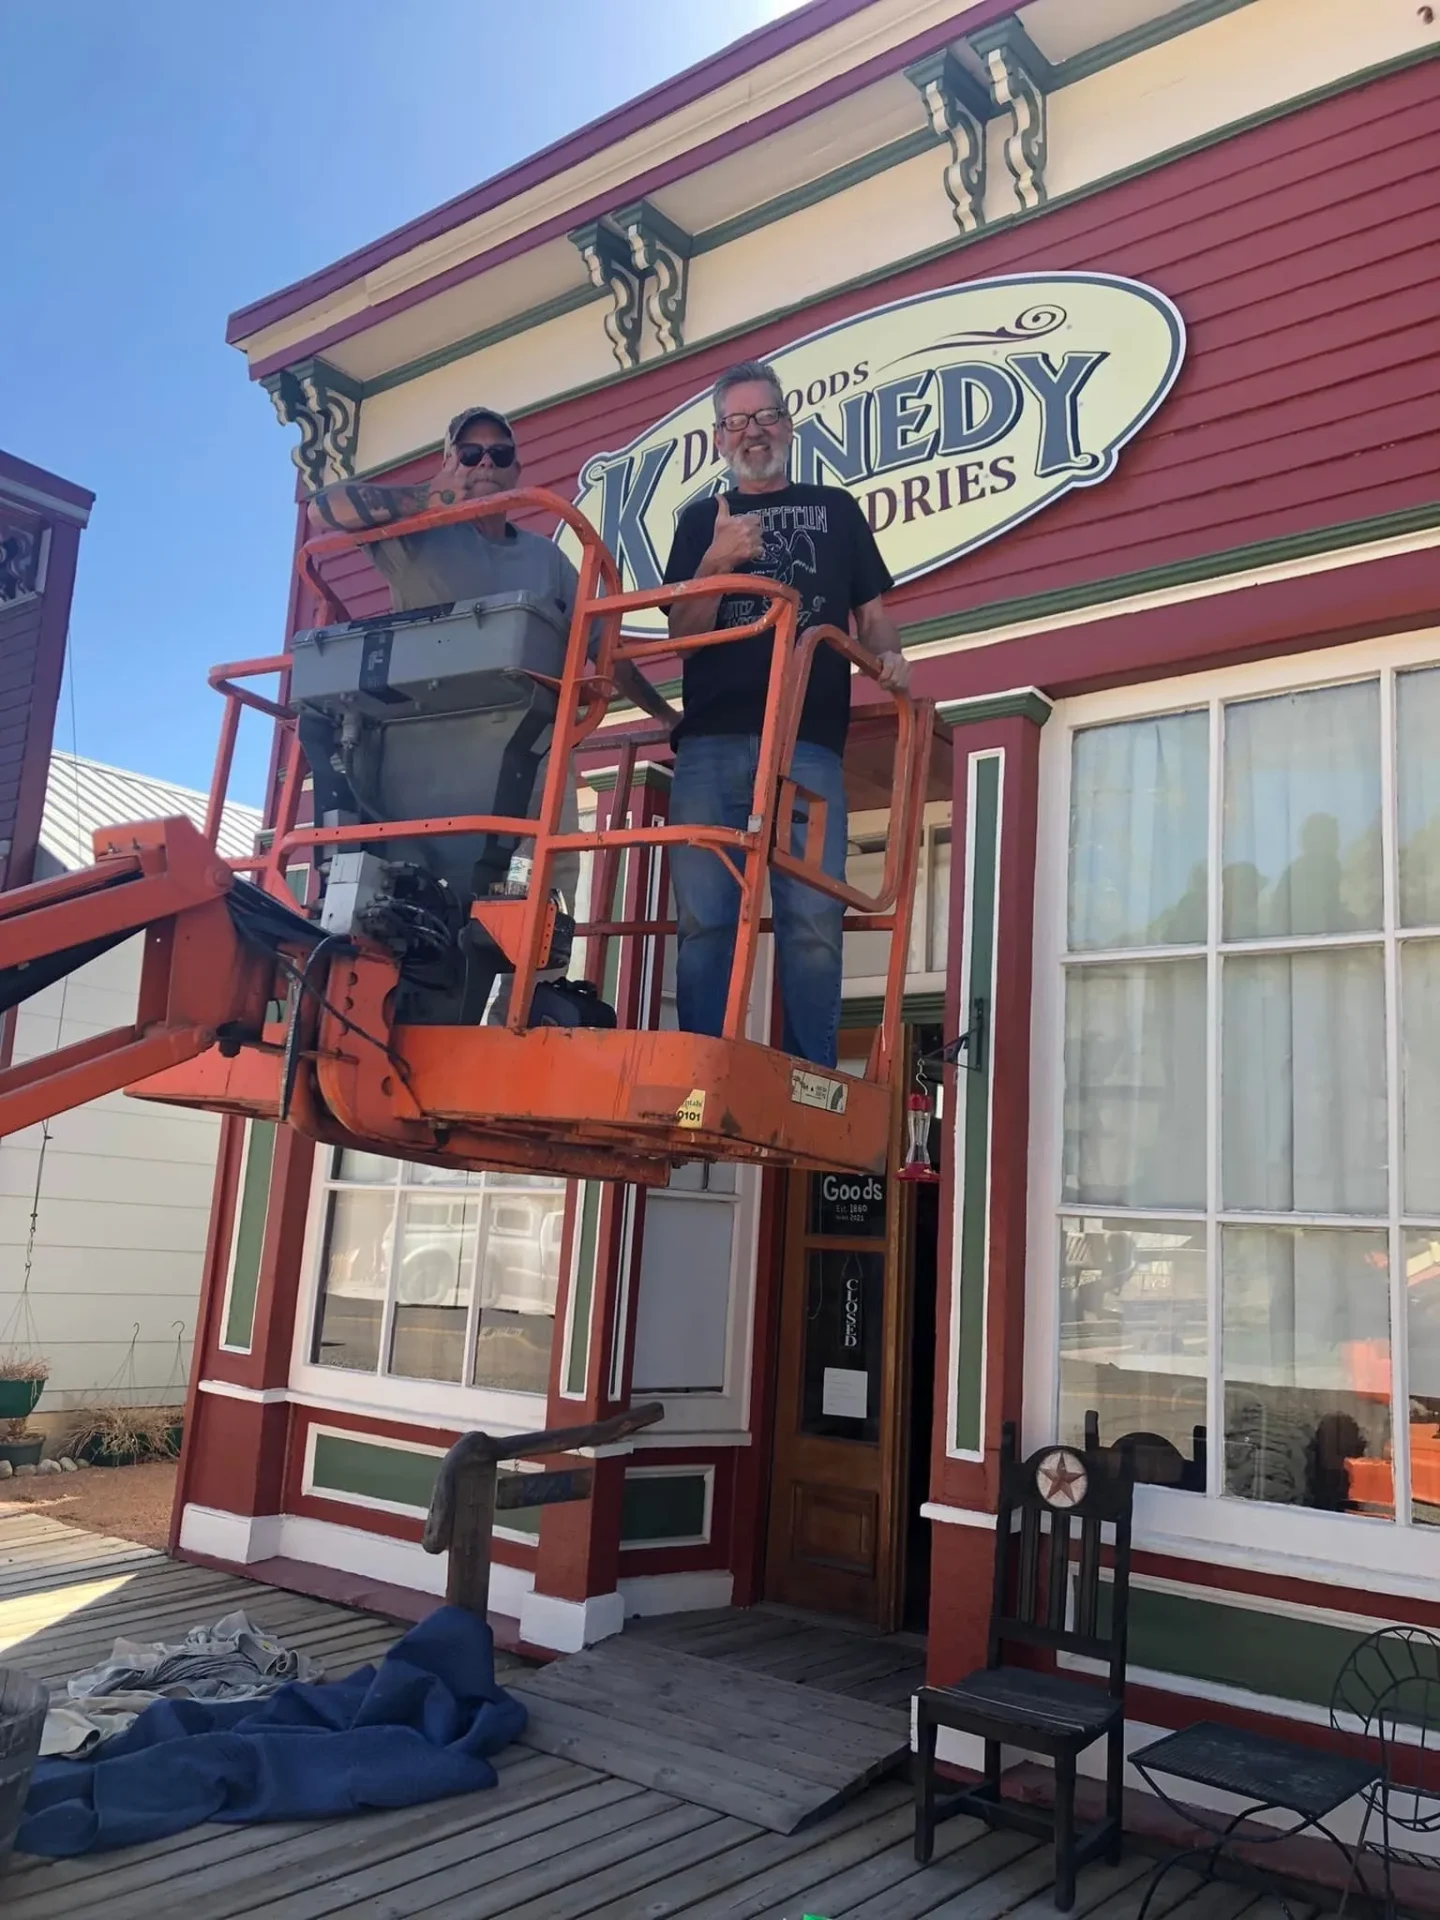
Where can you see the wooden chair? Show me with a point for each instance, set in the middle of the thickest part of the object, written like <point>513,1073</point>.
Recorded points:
<point>1158,1462</point>
<point>1046,1601</point>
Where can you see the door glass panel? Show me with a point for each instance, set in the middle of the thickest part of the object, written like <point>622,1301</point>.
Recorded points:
<point>1303,1118</point>
<point>1135,1085</point>
<point>1417,726</point>
<point>1302,814</point>
<point>1133,1344</point>
<point>844,1308</point>
<point>1138,872</point>
<point>1306,1346</point>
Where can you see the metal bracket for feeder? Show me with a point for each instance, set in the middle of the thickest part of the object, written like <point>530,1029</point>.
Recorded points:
<point>469,1492</point>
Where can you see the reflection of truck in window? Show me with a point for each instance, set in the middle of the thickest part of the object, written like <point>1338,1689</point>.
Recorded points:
<point>519,1261</point>
<point>520,1257</point>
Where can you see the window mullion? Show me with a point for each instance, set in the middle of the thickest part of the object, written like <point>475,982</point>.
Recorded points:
<point>1215,1392</point>
<point>1399,1343</point>
<point>397,1229</point>
<point>472,1309</point>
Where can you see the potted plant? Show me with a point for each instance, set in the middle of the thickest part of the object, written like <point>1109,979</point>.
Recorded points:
<point>21,1445</point>
<point>124,1436</point>
<point>22,1381</point>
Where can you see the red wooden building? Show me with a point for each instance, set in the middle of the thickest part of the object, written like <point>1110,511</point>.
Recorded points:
<point>1182,844</point>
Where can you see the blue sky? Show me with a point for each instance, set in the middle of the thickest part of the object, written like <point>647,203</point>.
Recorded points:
<point>179,159</point>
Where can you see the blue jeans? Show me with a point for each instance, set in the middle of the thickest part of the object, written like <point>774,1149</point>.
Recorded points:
<point>714,786</point>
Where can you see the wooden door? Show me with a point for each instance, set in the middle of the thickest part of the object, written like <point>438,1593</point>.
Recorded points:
<point>836,1505</point>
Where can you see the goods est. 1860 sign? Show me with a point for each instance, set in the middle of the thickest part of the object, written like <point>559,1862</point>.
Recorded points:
<point>951,417</point>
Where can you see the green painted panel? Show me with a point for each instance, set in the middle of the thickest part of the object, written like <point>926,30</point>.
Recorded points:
<point>970,1279</point>
<point>369,1470</point>
<point>664,1506</point>
<point>578,1365</point>
<point>249,1236</point>
<point>373,1472</point>
<point>1266,1653</point>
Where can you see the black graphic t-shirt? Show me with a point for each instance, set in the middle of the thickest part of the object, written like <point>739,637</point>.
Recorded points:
<point>816,540</point>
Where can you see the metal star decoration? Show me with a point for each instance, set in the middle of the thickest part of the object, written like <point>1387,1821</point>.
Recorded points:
<point>1061,1478</point>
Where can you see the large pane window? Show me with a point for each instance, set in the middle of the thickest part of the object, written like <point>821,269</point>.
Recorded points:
<point>1249,1205</point>
<point>429,1274</point>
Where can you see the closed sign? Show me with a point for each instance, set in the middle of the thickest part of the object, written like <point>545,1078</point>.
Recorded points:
<point>951,417</point>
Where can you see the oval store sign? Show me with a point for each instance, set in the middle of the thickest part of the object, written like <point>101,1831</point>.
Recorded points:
<point>951,417</point>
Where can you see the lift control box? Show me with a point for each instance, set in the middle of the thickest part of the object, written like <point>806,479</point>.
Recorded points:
<point>471,657</point>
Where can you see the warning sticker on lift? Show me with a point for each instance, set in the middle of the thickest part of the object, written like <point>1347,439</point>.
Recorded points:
<point>691,1112</point>
<point>815,1090</point>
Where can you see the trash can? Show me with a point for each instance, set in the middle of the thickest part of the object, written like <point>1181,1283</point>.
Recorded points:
<point>23,1706</point>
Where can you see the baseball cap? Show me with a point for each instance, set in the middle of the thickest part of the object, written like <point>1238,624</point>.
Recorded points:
<point>462,420</point>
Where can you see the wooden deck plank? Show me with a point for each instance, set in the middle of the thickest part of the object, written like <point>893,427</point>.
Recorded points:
<point>965,1859</point>
<point>762,1853</point>
<point>785,1884</point>
<point>527,1779</point>
<point>551,1867</point>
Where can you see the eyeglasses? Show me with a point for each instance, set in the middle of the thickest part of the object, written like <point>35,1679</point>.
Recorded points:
<point>763,417</point>
<point>502,454</point>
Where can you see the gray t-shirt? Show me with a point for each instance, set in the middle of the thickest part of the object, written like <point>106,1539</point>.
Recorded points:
<point>459,563</point>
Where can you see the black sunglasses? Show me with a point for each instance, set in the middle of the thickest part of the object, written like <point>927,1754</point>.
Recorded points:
<point>502,454</point>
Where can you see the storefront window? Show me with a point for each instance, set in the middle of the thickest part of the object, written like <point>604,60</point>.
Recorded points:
<point>1250,1157</point>
<point>428,1274</point>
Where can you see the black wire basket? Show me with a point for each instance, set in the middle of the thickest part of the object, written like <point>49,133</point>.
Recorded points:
<point>23,1705</point>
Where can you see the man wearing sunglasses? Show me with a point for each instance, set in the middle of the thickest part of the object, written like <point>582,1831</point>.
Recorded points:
<point>470,561</point>
<point>817,540</point>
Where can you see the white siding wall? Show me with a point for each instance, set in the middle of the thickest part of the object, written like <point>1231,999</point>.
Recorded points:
<point>124,1209</point>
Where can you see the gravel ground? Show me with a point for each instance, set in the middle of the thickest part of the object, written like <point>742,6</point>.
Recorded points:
<point>132,1503</point>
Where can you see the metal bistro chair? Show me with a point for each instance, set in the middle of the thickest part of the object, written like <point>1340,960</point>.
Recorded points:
<point>1046,1713</point>
<point>1389,1691</point>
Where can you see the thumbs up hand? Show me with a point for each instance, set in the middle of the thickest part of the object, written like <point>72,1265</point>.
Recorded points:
<point>735,543</point>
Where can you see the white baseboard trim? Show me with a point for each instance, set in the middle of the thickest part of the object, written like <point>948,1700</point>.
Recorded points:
<point>243,1540</point>
<point>238,1537</point>
<point>651,1593</point>
<point>566,1626</point>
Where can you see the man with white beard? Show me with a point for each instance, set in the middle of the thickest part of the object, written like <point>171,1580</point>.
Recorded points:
<point>817,540</point>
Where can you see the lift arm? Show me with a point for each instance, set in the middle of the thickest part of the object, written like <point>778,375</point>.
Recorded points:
<point>199,980</point>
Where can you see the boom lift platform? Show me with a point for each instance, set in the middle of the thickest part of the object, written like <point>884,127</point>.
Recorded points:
<point>248,1005</point>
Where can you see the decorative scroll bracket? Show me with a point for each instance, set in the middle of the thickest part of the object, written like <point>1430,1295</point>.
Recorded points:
<point>1019,78</point>
<point>325,404</point>
<point>660,252</point>
<point>24,553</point>
<point>956,106</point>
<point>608,262</point>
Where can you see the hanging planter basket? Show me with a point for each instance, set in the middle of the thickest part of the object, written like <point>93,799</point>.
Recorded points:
<point>18,1398</point>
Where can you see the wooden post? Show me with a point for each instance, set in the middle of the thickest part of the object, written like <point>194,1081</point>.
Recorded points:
<point>467,1578</point>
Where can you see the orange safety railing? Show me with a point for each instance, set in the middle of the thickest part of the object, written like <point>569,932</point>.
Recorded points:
<point>585,691</point>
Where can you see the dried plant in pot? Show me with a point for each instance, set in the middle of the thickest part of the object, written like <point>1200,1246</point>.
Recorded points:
<point>22,1381</point>
<point>123,1436</point>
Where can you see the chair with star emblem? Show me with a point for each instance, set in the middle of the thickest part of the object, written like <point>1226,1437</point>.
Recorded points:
<point>1048,1599</point>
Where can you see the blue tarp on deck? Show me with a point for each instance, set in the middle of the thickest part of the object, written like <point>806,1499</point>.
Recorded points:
<point>419,1726</point>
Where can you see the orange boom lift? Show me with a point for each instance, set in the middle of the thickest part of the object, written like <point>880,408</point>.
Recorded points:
<point>247,1006</point>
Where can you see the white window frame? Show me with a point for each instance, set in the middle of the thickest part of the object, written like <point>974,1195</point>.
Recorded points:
<point>438,1402</point>
<point>936,821</point>
<point>1261,1536</point>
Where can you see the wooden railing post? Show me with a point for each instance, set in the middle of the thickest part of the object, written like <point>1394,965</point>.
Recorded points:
<point>467,1493</point>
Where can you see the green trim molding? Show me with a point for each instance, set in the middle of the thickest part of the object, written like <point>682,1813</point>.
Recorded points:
<point>916,1010</point>
<point>1022,703</point>
<point>1081,67</point>
<point>971,1279</point>
<point>252,1203</point>
<point>1176,573</point>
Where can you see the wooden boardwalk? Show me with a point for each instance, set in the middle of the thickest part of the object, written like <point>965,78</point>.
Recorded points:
<point>554,1841</point>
